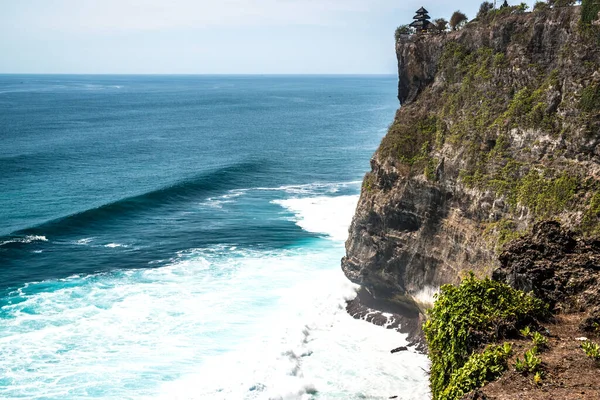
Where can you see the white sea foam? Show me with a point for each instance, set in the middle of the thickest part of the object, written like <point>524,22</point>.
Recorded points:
<point>115,245</point>
<point>221,322</point>
<point>324,214</point>
<point>313,188</point>
<point>26,239</point>
<point>214,324</point>
<point>311,346</point>
<point>218,202</point>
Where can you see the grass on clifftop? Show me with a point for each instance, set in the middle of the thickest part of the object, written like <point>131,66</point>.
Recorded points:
<point>464,318</point>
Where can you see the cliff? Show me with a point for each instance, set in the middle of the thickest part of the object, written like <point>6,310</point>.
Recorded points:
<point>499,127</point>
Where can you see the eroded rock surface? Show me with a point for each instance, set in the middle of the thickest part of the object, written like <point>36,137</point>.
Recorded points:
<point>494,134</point>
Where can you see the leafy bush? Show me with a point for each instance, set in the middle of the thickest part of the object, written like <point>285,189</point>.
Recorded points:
<point>591,350</point>
<point>458,20</point>
<point>477,371</point>
<point>530,363</point>
<point>539,341</point>
<point>589,11</point>
<point>466,316</point>
<point>522,7</point>
<point>485,8</point>
<point>590,99</point>
<point>402,30</point>
<point>410,141</point>
<point>526,332</point>
<point>440,24</point>
<point>561,3</point>
<point>546,197</point>
<point>591,218</point>
<point>540,6</point>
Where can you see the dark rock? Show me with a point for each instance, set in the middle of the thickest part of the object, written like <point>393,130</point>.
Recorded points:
<point>476,395</point>
<point>556,266</point>
<point>591,323</point>
<point>389,315</point>
<point>398,349</point>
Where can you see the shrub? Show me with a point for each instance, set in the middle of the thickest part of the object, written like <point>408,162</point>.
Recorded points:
<point>484,9</point>
<point>591,350</point>
<point>440,24</point>
<point>402,30</point>
<point>465,316</point>
<point>458,20</point>
<point>546,197</point>
<point>409,141</point>
<point>522,7</point>
<point>590,98</point>
<point>530,363</point>
<point>561,3</point>
<point>540,6</point>
<point>539,341</point>
<point>589,11</point>
<point>477,371</point>
<point>591,218</point>
<point>369,183</point>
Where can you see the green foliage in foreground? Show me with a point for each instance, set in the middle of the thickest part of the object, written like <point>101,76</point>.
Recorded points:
<point>462,319</point>
<point>479,369</point>
<point>591,350</point>
<point>539,341</point>
<point>531,362</point>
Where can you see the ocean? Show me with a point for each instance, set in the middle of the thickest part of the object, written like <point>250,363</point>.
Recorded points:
<point>179,237</point>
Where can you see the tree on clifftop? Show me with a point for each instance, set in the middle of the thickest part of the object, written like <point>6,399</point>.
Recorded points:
<point>440,24</point>
<point>561,3</point>
<point>402,30</point>
<point>458,20</point>
<point>590,10</point>
<point>484,8</point>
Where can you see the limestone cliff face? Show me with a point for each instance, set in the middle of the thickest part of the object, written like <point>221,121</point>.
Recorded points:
<point>499,127</point>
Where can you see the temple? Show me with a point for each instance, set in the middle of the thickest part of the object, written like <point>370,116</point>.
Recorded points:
<point>421,20</point>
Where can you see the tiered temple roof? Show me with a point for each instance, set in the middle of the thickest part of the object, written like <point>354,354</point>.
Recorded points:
<point>421,20</point>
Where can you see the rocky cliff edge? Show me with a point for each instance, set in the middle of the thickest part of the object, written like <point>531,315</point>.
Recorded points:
<point>499,127</point>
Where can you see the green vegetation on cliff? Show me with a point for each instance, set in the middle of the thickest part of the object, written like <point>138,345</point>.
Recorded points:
<point>512,126</point>
<point>464,318</point>
<point>589,11</point>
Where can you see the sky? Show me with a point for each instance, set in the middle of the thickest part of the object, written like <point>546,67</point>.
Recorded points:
<point>208,36</point>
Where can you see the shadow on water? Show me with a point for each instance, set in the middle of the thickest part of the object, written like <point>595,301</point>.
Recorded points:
<point>147,230</point>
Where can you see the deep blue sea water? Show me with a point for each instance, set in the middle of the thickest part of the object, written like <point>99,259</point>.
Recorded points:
<point>180,237</point>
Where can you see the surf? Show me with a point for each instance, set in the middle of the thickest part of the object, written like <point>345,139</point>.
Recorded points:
<point>169,240</point>
<point>274,320</point>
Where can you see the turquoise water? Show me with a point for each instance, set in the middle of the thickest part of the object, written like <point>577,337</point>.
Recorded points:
<point>180,237</point>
